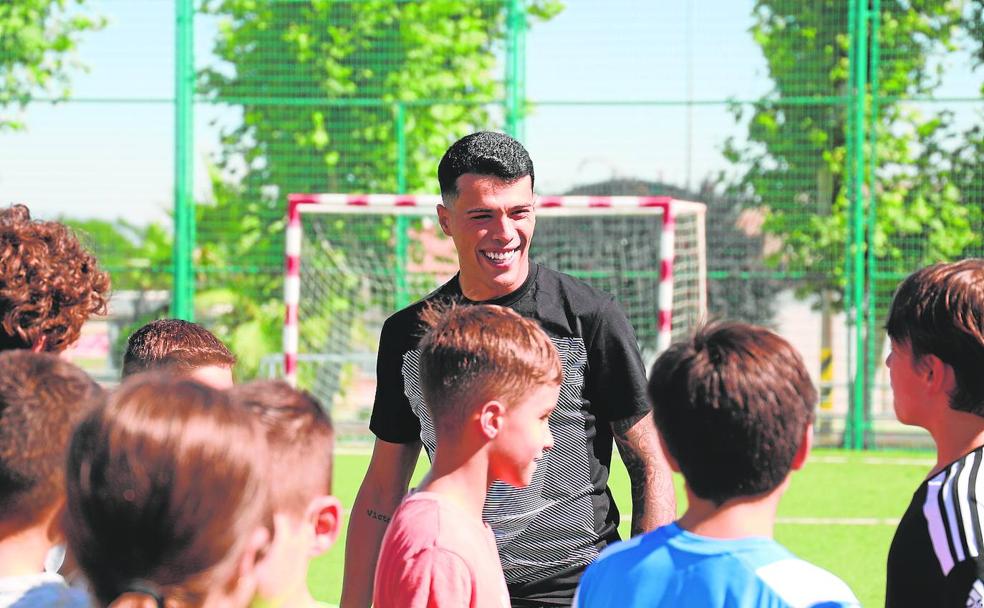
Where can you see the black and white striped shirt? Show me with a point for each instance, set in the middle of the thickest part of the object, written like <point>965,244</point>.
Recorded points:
<point>936,555</point>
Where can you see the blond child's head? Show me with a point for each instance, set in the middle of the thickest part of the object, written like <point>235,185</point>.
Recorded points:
<point>167,496</point>
<point>300,437</point>
<point>487,370</point>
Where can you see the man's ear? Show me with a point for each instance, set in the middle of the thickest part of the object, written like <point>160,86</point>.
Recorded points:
<point>490,418</point>
<point>444,218</point>
<point>324,513</point>
<point>806,444</point>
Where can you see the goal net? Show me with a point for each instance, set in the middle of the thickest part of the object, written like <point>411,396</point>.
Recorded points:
<point>352,261</point>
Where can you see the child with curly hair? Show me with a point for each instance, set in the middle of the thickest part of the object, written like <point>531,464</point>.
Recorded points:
<point>49,283</point>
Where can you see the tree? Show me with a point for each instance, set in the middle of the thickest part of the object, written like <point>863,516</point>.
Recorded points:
<point>794,159</point>
<point>37,38</point>
<point>921,175</point>
<point>336,96</point>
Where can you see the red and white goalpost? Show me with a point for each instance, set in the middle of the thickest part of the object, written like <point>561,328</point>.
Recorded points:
<point>354,251</point>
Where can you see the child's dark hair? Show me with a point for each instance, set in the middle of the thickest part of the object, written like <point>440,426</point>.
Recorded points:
<point>49,283</point>
<point>166,484</point>
<point>300,437</point>
<point>939,310</point>
<point>732,404</point>
<point>483,153</point>
<point>175,345</point>
<point>42,398</point>
<point>474,353</point>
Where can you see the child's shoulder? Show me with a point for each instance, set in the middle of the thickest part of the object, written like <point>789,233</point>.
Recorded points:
<point>801,583</point>
<point>43,589</point>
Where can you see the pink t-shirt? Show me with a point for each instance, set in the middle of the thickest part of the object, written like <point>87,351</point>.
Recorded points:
<point>434,555</point>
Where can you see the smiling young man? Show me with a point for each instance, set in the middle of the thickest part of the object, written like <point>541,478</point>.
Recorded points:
<point>550,530</point>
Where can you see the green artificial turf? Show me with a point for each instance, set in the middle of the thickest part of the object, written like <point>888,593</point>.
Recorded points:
<point>839,513</point>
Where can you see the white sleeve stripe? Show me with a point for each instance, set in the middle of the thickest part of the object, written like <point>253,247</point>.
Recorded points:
<point>953,512</point>
<point>965,481</point>
<point>949,494</point>
<point>934,521</point>
<point>978,484</point>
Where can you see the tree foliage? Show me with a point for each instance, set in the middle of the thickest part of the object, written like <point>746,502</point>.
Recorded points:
<point>794,161</point>
<point>336,96</point>
<point>37,40</point>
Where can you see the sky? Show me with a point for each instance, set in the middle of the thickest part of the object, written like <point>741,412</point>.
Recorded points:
<point>112,159</point>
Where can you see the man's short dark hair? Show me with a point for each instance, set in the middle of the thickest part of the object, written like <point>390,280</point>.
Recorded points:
<point>42,398</point>
<point>732,404</point>
<point>483,153</point>
<point>939,310</point>
<point>175,345</point>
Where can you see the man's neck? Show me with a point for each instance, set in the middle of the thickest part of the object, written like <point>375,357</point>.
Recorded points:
<point>737,518</point>
<point>22,552</point>
<point>956,434</point>
<point>476,291</point>
<point>461,476</point>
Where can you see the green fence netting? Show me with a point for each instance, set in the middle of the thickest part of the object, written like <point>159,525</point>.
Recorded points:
<point>836,144</point>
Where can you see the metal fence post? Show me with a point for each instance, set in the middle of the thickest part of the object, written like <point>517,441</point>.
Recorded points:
<point>183,289</point>
<point>516,70</point>
<point>854,437</point>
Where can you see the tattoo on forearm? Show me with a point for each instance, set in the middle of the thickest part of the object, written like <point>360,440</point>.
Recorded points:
<point>378,516</point>
<point>653,498</point>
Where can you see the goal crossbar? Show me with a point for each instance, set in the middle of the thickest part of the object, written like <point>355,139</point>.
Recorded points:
<point>423,205</point>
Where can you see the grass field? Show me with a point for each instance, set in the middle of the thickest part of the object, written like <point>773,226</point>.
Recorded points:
<point>840,513</point>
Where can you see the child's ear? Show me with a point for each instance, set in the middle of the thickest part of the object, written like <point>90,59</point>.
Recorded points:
<point>806,444</point>
<point>490,418</point>
<point>670,460</point>
<point>256,548</point>
<point>324,513</point>
<point>56,525</point>
<point>937,374</point>
<point>39,344</point>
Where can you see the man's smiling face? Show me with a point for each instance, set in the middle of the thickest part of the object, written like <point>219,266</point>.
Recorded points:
<point>491,223</point>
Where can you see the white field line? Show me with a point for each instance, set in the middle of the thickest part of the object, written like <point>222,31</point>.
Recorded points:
<point>877,460</point>
<point>353,450</point>
<point>838,521</point>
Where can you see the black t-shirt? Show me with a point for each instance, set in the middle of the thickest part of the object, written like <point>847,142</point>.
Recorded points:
<point>935,558</point>
<point>548,532</point>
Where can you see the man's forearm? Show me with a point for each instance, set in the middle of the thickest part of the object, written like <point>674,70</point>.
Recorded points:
<point>367,525</point>
<point>653,496</point>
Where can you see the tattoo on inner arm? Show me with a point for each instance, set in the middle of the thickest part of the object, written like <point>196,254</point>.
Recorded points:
<point>378,516</point>
<point>653,499</point>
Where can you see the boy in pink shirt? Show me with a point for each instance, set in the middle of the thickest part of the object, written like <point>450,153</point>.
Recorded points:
<point>490,380</point>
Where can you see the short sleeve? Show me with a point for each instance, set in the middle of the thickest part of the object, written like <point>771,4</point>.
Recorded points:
<point>392,418</point>
<point>433,578</point>
<point>616,377</point>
